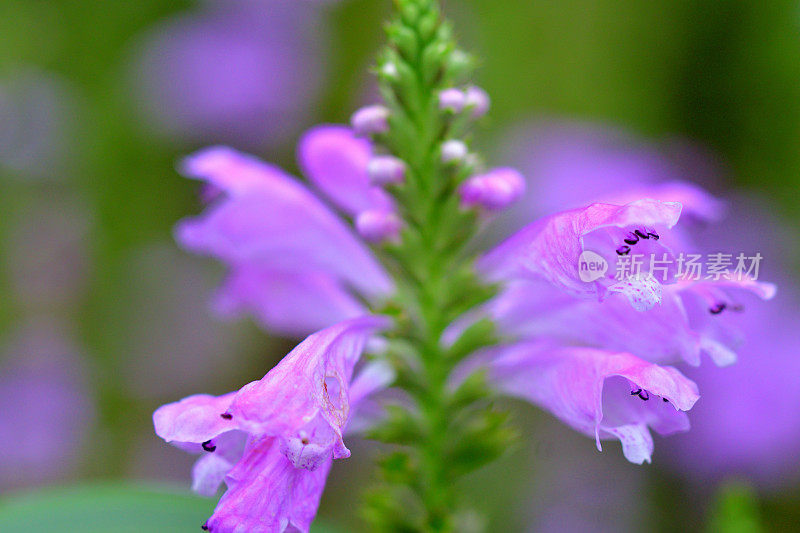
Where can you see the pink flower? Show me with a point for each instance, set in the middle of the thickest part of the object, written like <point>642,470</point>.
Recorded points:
<point>551,248</point>
<point>602,394</point>
<point>273,441</point>
<point>294,264</point>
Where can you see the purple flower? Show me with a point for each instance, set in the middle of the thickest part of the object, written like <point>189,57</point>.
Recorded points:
<point>240,71</point>
<point>680,329</point>
<point>555,311</point>
<point>551,248</point>
<point>754,402</point>
<point>602,394</point>
<point>337,163</point>
<point>287,251</point>
<point>47,410</point>
<point>273,441</point>
<point>693,318</point>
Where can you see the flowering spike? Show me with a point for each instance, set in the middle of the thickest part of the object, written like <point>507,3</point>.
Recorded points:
<point>582,333</point>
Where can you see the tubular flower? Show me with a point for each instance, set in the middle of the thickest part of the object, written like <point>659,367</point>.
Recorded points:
<point>273,441</point>
<point>293,262</point>
<point>551,249</point>
<point>602,394</point>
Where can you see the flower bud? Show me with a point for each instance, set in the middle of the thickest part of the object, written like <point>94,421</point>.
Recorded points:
<point>386,169</point>
<point>452,100</point>
<point>376,225</point>
<point>493,190</point>
<point>370,120</point>
<point>477,100</point>
<point>454,150</point>
<point>389,71</point>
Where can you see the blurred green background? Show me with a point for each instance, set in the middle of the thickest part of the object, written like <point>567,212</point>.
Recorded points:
<point>723,74</point>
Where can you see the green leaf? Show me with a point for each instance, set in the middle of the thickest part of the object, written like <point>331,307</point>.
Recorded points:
<point>107,508</point>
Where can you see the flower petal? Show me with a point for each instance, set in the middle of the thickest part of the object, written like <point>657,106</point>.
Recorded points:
<point>550,248</point>
<point>336,161</point>
<point>267,494</point>
<point>208,474</point>
<point>269,220</point>
<point>292,303</point>
<point>643,292</point>
<point>538,310</point>
<point>304,400</point>
<point>194,419</point>
<point>569,382</point>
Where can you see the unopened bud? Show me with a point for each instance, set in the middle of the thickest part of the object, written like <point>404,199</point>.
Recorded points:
<point>452,100</point>
<point>493,190</point>
<point>386,169</point>
<point>376,225</point>
<point>454,150</point>
<point>477,101</point>
<point>370,120</point>
<point>389,70</point>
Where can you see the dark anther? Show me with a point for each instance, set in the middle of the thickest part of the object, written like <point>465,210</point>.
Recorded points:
<point>305,441</point>
<point>664,400</point>
<point>641,234</point>
<point>207,446</point>
<point>717,308</point>
<point>652,233</point>
<point>631,238</point>
<point>644,395</point>
<point>623,250</point>
<point>204,527</point>
<point>636,392</point>
<point>226,416</point>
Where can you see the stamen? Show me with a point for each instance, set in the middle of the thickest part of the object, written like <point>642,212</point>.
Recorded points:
<point>718,308</point>
<point>652,233</point>
<point>644,395</point>
<point>664,400</point>
<point>636,392</point>
<point>226,416</point>
<point>204,527</point>
<point>624,250</point>
<point>631,238</point>
<point>641,234</point>
<point>208,446</point>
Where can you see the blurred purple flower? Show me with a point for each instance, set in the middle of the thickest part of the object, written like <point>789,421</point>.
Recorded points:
<point>754,402</point>
<point>240,72</point>
<point>273,441</point>
<point>46,414</point>
<point>294,263</point>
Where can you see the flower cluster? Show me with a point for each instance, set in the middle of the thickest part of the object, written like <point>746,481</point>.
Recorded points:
<point>430,314</point>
